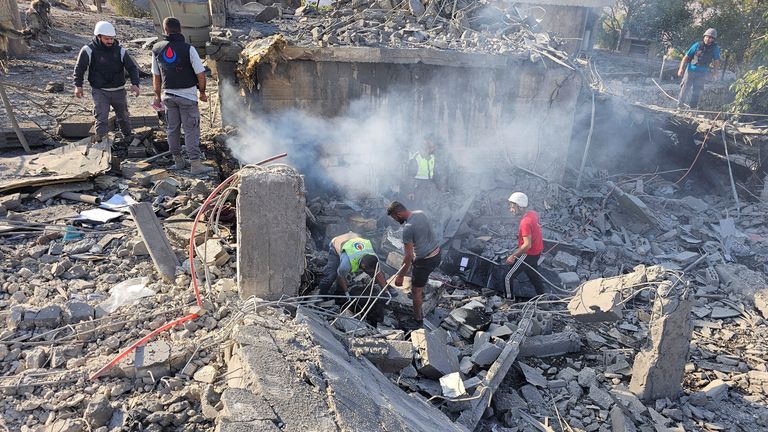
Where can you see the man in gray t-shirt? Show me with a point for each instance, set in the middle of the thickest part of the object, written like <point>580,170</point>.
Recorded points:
<point>422,250</point>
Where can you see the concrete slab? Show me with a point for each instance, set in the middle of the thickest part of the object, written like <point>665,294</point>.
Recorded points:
<point>435,357</point>
<point>554,344</point>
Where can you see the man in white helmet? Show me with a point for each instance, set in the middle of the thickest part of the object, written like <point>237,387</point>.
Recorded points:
<point>106,62</point>
<point>530,245</point>
<point>696,66</point>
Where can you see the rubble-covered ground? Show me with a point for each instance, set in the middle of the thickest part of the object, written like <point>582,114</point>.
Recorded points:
<point>74,295</point>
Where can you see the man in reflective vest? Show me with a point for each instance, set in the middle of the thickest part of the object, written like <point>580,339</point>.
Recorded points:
<point>349,253</point>
<point>423,184</point>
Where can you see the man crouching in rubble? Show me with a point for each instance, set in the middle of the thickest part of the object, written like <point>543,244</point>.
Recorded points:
<point>106,62</point>
<point>530,244</point>
<point>349,253</point>
<point>422,250</point>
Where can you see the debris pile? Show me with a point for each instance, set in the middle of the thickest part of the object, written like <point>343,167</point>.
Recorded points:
<point>464,26</point>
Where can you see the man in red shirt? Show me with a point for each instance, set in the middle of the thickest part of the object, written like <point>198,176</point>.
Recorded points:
<point>530,244</point>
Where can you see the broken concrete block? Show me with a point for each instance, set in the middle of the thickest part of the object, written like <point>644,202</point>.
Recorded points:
<point>761,302</point>
<point>98,412</point>
<point>416,8</point>
<point>569,279</point>
<point>273,263</point>
<point>565,261</point>
<point>154,357</point>
<point>360,224</point>
<point>633,205</point>
<point>206,374</point>
<point>452,385</point>
<point>433,350</point>
<point>715,389</point>
<point>620,422</point>
<point>719,312</point>
<point>49,317</point>
<point>388,356</point>
<point>597,300</point>
<point>554,344</point>
<point>75,312</point>
<point>658,369</point>
<point>532,396</point>
<point>130,168</point>
<point>11,202</point>
<point>168,186</point>
<point>146,178</point>
<point>36,358</point>
<point>212,253</point>
<point>486,354</point>
<point>600,396</point>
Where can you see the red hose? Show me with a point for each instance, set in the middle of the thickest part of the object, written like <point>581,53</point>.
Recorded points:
<point>197,219</point>
<point>138,343</point>
<point>171,324</point>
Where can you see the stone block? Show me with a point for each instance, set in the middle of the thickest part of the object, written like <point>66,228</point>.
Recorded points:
<point>168,186</point>
<point>388,356</point>
<point>453,385</point>
<point>486,354</point>
<point>565,261</point>
<point>436,359</point>
<point>213,253</point>
<point>270,256</point>
<point>360,224</point>
<point>569,279</point>
<point>554,344</point>
<point>146,178</point>
<point>48,317</point>
<point>658,369</point>
<point>597,300</point>
<point>75,312</point>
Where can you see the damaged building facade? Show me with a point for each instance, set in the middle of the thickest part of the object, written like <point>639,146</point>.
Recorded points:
<point>140,298</point>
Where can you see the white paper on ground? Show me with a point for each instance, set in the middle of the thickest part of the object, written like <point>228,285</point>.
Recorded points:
<point>118,203</point>
<point>98,215</point>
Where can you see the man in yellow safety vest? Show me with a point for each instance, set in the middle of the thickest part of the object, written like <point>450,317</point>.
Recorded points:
<point>349,253</point>
<point>423,182</point>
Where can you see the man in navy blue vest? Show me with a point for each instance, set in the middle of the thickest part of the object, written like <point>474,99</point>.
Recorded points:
<point>698,58</point>
<point>106,62</point>
<point>177,76</point>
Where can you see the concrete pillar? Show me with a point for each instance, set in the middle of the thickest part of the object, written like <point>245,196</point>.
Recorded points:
<point>271,232</point>
<point>658,369</point>
<point>11,17</point>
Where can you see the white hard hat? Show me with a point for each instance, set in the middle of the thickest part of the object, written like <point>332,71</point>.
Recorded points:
<point>105,29</point>
<point>519,198</point>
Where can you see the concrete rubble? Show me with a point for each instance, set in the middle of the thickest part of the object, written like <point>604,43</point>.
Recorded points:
<point>655,318</point>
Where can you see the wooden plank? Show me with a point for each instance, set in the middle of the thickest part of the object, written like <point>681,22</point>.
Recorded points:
<point>154,237</point>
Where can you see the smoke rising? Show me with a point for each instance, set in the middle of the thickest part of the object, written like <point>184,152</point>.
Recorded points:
<point>483,128</point>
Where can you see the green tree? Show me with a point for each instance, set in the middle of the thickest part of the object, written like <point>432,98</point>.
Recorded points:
<point>751,93</point>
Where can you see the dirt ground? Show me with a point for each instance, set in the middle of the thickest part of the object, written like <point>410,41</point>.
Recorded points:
<point>42,66</point>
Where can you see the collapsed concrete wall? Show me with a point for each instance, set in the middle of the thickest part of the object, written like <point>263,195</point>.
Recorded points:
<point>510,107</point>
<point>301,377</point>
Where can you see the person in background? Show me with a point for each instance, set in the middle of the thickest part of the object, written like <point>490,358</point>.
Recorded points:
<point>178,75</point>
<point>695,67</point>
<point>349,253</point>
<point>106,62</point>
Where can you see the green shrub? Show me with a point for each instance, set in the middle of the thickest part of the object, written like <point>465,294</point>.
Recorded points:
<point>127,8</point>
<point>751,93</point>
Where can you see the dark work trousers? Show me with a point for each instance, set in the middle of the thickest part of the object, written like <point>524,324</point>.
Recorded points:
<point>504,275</point>
<point>690,88</point>
<point>330,271</point>
<point>182,112</point>
<point>102,101</point>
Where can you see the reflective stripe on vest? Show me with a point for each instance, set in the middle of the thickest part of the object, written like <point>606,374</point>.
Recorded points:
<point>356,249</point>
<point>426,167</point>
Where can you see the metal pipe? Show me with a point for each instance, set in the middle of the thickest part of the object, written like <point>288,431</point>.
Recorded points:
<point>74,196</point>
